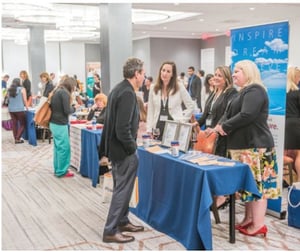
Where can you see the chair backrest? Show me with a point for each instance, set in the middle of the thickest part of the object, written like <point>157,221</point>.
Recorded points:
<point>206,142</point>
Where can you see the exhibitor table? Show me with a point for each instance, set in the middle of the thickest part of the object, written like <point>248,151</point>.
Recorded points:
<point>84,151</point>
<point>175,195</point>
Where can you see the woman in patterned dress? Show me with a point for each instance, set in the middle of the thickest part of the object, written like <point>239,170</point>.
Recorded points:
<point>250,141</point>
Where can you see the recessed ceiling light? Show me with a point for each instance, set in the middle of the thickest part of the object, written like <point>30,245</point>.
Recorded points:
<point>201,19</point>
<point>252,8</point>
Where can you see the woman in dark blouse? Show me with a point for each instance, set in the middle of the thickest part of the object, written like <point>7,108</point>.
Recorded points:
<point>292,122</point>
<point>26,83</point>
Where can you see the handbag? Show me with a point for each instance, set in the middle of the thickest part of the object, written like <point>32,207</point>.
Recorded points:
<point>43,115</point>
<point>7,124</point>
<point>43,112</point>
<point>206,142</point>
<point>294,205</point>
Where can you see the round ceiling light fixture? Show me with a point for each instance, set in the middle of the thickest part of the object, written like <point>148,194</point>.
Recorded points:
<point>140,16</point>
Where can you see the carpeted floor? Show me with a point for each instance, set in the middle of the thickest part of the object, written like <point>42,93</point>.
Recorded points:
<point>42,212</point>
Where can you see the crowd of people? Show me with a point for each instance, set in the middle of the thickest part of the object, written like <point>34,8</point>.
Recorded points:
<point>233,104</point>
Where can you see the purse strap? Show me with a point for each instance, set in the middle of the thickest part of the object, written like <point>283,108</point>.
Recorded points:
<point>289,195</point>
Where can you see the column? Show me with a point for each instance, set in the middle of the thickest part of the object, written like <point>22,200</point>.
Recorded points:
<point>36,56</point>
<point>115,42</point>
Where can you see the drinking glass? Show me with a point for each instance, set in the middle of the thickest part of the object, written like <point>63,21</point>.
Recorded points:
<point>156,133</point>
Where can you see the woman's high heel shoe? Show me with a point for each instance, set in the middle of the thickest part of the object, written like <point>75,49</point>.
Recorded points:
<point>263,230</point>
<point>239,226</point>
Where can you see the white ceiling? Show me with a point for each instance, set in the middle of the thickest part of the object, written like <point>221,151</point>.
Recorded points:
<point>210,19</point>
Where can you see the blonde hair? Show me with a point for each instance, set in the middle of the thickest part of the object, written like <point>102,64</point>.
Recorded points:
<point>101,97</point>
<point>250,71</point>
<point>143,112</point>
<point>291,79</point>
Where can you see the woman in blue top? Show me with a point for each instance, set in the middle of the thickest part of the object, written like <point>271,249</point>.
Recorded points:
<point>16,106</point>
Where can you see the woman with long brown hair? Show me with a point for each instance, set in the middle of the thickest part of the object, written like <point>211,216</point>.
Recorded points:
<point>61,105</point>
<point>166,98</point>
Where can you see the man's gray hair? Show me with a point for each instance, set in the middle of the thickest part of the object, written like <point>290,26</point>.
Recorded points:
<point>131,66</point>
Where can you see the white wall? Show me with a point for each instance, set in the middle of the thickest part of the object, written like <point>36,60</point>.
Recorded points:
<point>14,58</point>
<point>52,59</point>
<point>73,59</point>
<point>294,48</point>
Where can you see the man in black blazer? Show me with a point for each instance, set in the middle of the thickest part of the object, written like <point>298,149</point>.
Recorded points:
<point>194,86</point>
<point>118,143</point>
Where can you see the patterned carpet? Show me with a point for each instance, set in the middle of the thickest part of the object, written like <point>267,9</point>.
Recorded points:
<point>42,212</point>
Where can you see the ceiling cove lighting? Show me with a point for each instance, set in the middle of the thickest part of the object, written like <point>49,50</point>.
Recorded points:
<point>41,17</point>
<point>154,17</point>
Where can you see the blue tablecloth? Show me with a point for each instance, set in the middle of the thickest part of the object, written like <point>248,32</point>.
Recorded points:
<point>89,163</point>
<point>30,132</point>
<point>175,196</point>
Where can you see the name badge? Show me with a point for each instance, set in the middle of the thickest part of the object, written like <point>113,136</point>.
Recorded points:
<point>208,122</point>
<point>163,118</point>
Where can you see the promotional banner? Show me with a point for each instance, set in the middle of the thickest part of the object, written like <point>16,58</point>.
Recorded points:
<point>267,46</point>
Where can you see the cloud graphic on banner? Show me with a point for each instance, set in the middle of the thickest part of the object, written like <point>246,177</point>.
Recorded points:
<point>273,79</point>
<point>234,53</point>
<point>260,51</point>
<point>277,45</point>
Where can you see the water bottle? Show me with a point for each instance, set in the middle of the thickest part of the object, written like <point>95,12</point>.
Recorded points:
<point>146,140</point>
<point>175,148</point>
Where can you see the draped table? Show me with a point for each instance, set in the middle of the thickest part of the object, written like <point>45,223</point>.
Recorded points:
<point>85,151</point>
<point>175,195</point>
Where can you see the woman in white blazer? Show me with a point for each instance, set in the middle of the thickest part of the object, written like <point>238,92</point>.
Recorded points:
<point>165,100</point>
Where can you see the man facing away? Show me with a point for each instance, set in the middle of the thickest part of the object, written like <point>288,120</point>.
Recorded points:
<point>118,143</point>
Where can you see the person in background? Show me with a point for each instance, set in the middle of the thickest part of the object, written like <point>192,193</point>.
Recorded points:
<point>165,99</point>
<point>47,84</point>
<point>194,86</point>
<point>97,89</point>
<point>16,107</point>
<point>61,105</point>
<point>182,79</point>
<point>214,110</point>
<point>250,141</point>
<point>143,118</point>
<point>4,90</point>
<point>201,75</point>
<point>207,88</point>
<point>4,81</point>
<point>27,85</point>
<point>146,88</point>
<point>98,109</point>
<point>292,122</point>
<point>118,143</point>
<point>52,78</point>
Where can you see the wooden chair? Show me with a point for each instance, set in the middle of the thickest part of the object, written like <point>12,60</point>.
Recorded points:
<point>288,163</point>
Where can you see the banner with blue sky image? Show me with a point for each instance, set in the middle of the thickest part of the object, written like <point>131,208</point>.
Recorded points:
<point>267,46</point>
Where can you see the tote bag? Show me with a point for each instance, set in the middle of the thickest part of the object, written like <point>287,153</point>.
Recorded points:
<point>43,115</point>
<point>43,112</point>
<point>294,205</point>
